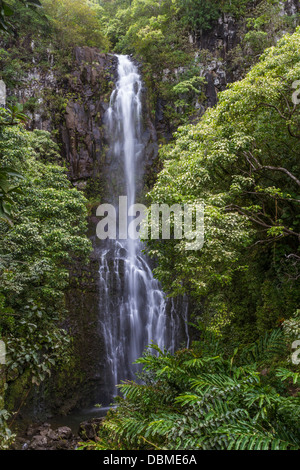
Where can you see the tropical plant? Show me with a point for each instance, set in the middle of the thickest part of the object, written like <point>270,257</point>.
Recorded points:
<point>241,162</point>
<point>49,228</point>
<point>10,116</point>
<point>75,23</point>
<point>202,399</point>
<point>6,191</point>
<point>7,11</point>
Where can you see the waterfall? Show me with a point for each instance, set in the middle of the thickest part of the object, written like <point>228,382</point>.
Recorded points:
<point>133,309</point>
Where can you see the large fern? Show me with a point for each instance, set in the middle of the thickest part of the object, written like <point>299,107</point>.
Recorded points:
<point>201,399</point>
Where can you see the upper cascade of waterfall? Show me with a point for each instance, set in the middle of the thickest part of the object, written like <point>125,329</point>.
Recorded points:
<point>124,122</point>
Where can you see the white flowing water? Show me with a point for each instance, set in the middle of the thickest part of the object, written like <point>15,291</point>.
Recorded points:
<point>134,311</point>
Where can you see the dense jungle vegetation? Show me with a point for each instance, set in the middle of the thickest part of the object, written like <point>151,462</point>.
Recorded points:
<point>237,386</point>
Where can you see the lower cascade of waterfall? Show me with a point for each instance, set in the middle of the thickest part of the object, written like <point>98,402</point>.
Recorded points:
<point>133,309</point>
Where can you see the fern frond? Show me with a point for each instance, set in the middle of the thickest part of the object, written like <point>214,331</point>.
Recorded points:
<point>266,347</point>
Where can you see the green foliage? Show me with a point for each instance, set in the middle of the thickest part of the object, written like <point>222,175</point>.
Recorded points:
<point>292,326</point>
<point>163,35</point>
<point>46,148</point>
<point>75,23</point>
<point>51,31</point>
<point>7,11</point>
<point>198,15</point>
<point>49,220</point>
<point>6,190</point>
<point>153,32</point>
<point>240,160</point>
<point>11,116</point>
<point>265,348</point>
<point>48,233</point>
<point>260,27</point>
<point>6,436</point>
<point>203,399</point>
<point>258,41</point>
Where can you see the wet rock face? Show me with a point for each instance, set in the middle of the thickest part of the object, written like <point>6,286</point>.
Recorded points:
<point>222,38</point>
<point>33,86</point>
<point>291,7</point>
<point>73,105</point>
<point>89,87</point>
<point>43,437</point>
<point>82,301</point>
<point>88,430</point>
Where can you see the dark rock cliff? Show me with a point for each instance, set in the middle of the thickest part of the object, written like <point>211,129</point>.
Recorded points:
<point>89,87</point>
<point>72,105</point>
<point>219,43</point>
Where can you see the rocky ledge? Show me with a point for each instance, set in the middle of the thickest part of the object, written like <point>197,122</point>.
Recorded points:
<point>44,437</point>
